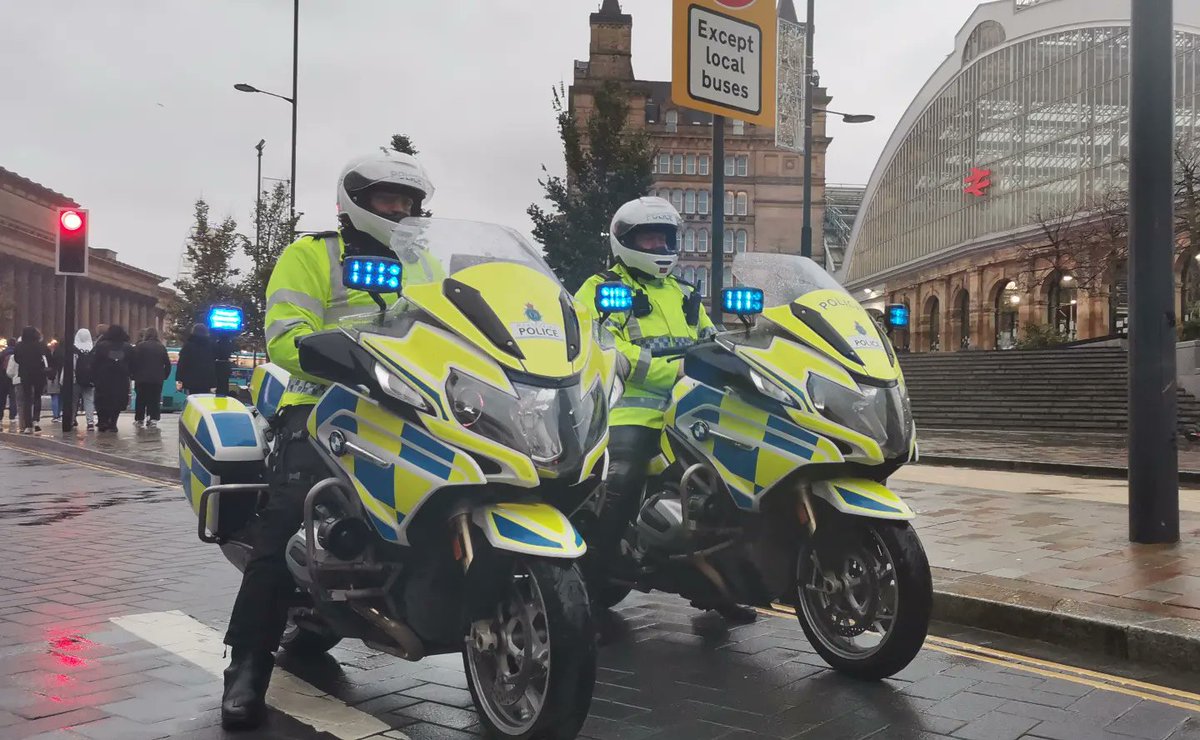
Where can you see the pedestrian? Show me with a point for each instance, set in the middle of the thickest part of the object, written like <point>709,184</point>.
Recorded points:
<point>27,370</point>
<point>196,371</point>
<point>8,392</point>
<point>85,385</point>
<point>150,367</point>
<point>53,380</point>
<point>110,365</point>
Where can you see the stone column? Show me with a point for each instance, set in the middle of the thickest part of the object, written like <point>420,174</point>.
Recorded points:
<point>94,313</point>
<point>123,312</point>
<point>83,305</point>
<point>8,308</point>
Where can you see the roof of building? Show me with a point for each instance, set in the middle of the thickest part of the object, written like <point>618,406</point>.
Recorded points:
<point>610,11</point>
<point>787,11</point>
<point>37,187</point>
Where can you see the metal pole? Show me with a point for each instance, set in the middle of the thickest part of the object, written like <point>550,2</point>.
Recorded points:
<point>806,234</point>
<point>717,271</point>
<point>67,389</point>
<point>295,68</point>
<point>258,200</point>
<point>1153,457</point>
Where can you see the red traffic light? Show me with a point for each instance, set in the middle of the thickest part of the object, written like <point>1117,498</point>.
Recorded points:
<point>71,220</point>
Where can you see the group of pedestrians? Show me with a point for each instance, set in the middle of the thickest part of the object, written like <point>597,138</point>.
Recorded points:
<point>104,369</point>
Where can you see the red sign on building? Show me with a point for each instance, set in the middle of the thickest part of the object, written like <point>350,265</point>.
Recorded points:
<point>977,182</point>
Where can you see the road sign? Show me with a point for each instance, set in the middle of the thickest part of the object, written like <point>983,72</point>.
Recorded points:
<point>791,88</point>
<point>724,58</point>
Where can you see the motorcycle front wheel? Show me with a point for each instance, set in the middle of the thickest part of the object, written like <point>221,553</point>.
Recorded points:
<point>865,595</point>
<point>531,666</point>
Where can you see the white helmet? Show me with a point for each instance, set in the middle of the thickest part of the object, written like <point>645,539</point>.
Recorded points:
<point>646,214</point>
<point>387,170</point>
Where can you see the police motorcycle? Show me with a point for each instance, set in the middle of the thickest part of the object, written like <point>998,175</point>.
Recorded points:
<point>460,427</point>
<point>771,482</point>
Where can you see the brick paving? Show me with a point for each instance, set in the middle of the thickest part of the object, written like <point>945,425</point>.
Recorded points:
<point>82,546</point>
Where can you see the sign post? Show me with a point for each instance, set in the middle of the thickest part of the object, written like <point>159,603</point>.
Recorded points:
<point>723,63</point>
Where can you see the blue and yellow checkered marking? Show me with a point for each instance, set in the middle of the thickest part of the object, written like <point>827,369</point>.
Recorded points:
<point>268,391</point>
<point>856,499</point>
<point>235,429</point>
<point>531,528</point>
<point>863,497</point>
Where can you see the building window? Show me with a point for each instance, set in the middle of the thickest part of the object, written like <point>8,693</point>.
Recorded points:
<point>964,319</point>
<point>727,243</point>
<point>741,240</point>
<point>689,201</point>
<point>702,202</point>
<point>702,280</point>
<point>739,128</point>
<point>1063,304</point>
<point>702,240</point>
<point>690,165</point>
<point>672,121</point>
<point>689,274</point>
<point>743,203</point>
<point>664,163</point>
<point>677,199</point>
<point>1008,303</point>
<point>743,166</point>
<point>730,166</point>
<point>703,164</point>
<point>727,279</point>
<point>729,201</point>
<point>677,164</point>
<point>689,240</point>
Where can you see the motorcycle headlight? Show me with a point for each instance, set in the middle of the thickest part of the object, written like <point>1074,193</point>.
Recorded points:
<point>553,426</point>
<point>881,413</point>
<point>770,388</point>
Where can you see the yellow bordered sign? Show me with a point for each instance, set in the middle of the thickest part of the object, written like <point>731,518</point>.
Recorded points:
<point>723,59</point>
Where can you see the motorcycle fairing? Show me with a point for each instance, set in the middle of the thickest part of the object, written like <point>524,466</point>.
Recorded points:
<point>846,319</point>
<point>267,385</point>
<point>862,497</point>
<point>532,529</point>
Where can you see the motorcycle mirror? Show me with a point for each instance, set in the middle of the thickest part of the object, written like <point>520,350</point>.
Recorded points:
<point>613,297</point>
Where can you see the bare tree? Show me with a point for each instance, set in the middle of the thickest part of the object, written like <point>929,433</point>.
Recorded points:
<point>1085,242</point>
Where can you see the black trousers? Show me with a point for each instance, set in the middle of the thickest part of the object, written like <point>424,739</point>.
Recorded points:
<point>148,402</point>
<point>630,450</point>
<point>260,611</point>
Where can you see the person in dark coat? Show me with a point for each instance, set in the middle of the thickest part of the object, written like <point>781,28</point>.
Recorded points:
<point>8,391</point>
<point>110,367</point>
<point>150,366</point>
<point>197,368</point>
<point>27,370</point>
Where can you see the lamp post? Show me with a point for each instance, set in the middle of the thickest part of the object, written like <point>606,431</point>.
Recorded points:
<point>243,87</point>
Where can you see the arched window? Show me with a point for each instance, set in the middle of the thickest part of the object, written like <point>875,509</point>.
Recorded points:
<point>1007,304</point>
<point>672,121</point>
<point>689,166</point>
<point>741,239</point>
<point>664,163</point>
<point>677,199</point>
<point>933,322</point>
<point>727,279</point>
<point>730,166</point>
<point>689,201</point>
<point>743,203</point>
<point>704,164</point>
<point>689,274</point>
<point>986,35</point>
<point>743,166</point>
<point>689,240</point>
<point>727,241</point>
<point>702,240</point>
<point>702,202</point>
<point>728,201</point>
<point>1062,304</point>
<point>702,280</point>
<point>677,164</point>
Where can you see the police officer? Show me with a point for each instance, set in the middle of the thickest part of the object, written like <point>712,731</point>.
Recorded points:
<point>305,295</point>
<point>667,318</point>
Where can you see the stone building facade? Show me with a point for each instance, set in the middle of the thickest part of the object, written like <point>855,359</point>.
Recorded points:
<point>32,295</point>
<point>764,186</point>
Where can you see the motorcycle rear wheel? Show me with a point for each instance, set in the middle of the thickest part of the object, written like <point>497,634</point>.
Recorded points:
<point>865,595</point>
<point>531,669</point>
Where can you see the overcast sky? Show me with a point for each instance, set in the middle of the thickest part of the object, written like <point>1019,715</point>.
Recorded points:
<point>128,106</point>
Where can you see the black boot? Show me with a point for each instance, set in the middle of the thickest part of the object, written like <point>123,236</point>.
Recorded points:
<point>737,614</point>
<point>244,703</point>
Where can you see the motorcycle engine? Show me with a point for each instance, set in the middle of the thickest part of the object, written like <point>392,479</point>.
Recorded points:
<point>660,524</point>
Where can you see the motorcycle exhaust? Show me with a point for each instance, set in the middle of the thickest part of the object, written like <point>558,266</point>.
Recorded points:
<point>407,645</point>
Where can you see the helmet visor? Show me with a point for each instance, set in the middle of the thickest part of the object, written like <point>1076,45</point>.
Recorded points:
<point>387,200</point>
<point>657,239</point>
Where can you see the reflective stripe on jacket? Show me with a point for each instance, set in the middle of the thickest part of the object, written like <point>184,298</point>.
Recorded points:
<point>651,343</point>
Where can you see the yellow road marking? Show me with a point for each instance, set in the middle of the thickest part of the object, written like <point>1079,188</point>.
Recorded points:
<point>1047,669</point>
<point>100,468</point>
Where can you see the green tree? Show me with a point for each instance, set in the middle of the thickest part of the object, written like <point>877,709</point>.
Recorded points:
<point>404,144</point>
<point>213,279</point>
<point>278,230</point>
<point>608,164</point>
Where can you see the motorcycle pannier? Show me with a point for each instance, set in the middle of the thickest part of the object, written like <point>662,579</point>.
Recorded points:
<point>220,442</point>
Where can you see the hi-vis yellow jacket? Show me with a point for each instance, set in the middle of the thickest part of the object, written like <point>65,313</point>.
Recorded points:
<point>305,294</point>
<point>651,343</point>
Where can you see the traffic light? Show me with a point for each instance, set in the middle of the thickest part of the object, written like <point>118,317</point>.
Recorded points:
<point>70,243</point>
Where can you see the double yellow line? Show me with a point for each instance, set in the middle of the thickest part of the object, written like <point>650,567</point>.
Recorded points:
<point>103,469</point>
<point>1047,669</point>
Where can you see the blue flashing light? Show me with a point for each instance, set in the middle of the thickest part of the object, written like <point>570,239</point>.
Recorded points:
<point>742,301</point>
<point>225,319</point>
<point>372,274</point>
<point>613,297</point>
<point>897,316</point>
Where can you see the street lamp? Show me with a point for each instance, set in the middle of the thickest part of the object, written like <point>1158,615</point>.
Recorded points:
<point>246,88</point>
